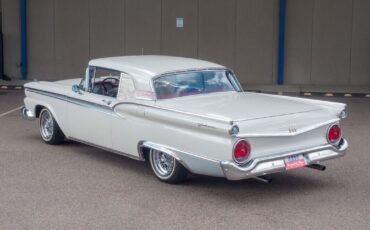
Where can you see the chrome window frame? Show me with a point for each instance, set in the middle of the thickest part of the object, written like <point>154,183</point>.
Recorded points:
<point>236,81</point>
<point>88,77</point>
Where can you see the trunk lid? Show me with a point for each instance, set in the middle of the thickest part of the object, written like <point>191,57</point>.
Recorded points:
<point>237,107</point>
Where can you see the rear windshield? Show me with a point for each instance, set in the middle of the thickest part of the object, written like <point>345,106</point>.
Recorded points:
<point>192,83</point>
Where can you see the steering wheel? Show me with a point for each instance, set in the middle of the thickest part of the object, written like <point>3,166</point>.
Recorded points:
<point>189,91</point>
<point>114,82</point>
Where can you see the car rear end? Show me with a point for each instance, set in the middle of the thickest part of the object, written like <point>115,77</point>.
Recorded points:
<point>277,144</point>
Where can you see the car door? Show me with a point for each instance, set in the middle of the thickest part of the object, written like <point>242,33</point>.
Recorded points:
<point>124,127</point>
<point>90,110</point>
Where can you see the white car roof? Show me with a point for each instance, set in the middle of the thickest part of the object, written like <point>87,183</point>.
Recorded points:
<point>148,66</point>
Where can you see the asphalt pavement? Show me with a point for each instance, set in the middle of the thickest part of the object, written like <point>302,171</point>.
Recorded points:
<point>74,186</point>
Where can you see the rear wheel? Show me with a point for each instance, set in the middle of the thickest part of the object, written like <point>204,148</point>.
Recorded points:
<point>49,129</point>
<point>166,167</point>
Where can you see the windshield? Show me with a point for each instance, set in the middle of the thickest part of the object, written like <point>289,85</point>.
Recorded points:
<point>191,83</point>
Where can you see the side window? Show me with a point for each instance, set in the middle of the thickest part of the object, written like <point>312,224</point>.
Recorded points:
<point>104,81</point>
<point>82,85</point>
<point>126,88</point>
<point>89,72</point>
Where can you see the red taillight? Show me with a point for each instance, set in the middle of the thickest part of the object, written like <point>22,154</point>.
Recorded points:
<point>242,151</point>
<point>334,134</point>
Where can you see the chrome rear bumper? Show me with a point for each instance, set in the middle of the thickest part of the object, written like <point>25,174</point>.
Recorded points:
<point>27,114</point>
<point>276,163</point>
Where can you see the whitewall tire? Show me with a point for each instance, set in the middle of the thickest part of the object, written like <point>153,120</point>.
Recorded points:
<point>166,167</point>
<point>49,128</point>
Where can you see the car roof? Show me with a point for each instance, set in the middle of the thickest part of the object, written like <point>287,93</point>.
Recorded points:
<point>149,66</point>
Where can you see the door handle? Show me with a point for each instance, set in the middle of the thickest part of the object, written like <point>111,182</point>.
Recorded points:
<point>108,102</point>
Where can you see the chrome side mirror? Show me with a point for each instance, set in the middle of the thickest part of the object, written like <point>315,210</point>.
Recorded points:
<point>76,88</point>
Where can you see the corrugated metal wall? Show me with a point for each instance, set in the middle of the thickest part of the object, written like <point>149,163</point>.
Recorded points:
<point>327,41</point>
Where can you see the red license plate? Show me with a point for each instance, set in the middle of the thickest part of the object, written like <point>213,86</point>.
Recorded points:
<point>294,162</point>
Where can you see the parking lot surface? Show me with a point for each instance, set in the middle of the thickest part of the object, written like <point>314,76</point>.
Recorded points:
<point>74,186</point>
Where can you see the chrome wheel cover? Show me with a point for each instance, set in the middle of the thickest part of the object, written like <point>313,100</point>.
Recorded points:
<point>46,125</point>
<point>162,163</point>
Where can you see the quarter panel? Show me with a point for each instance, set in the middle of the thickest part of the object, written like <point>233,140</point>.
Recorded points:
<point>57,106</point>
<point>169,129</point>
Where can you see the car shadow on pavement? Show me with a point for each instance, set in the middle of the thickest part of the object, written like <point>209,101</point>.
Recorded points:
<point>297,184</point>
<point>108,157</point>
<point>282,185</point>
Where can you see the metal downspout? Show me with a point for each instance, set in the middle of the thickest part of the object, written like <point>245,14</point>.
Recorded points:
<point>281,43</point>
<point>23,19</point>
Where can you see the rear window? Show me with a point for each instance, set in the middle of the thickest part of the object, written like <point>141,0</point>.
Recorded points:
<point>192,83</point>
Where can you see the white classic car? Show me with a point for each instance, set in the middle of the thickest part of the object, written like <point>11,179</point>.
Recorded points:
<point>186,115</point>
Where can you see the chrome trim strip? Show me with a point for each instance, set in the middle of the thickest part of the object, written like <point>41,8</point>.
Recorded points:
<point>47,93</point>
<point>179,156</point>
<point>151,145</point>
<point>287,134</point>
<point>190,70</point>
<point>88,104</point>
<point>201,125</point>
<point>173,110</point>
<point>233,171</point>
<point>140,158</point>
<point>164,148</point>
<point>258,118</point>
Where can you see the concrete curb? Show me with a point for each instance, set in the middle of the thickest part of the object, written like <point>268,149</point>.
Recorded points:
<point>317,94</point>
<point>11,87</point>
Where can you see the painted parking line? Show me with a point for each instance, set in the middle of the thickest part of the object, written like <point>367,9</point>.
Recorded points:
<point>10,111</point>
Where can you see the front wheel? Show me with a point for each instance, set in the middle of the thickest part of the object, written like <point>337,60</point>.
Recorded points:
<point>49,129</point>
<point>166,167</point>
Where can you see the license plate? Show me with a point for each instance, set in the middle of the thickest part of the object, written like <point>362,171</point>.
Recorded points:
<point>294,162</point>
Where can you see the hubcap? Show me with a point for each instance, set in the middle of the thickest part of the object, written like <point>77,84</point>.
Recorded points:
<point>47,125</point>
<point>163,163</point>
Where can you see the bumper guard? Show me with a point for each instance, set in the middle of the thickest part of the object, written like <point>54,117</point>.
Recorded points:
<point>27,114</point>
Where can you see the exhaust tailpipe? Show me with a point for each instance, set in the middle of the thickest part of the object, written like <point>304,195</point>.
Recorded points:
<point>264,179</point>
<point>317,167</point>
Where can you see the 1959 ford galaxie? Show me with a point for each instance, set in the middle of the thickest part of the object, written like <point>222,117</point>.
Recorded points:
<point>186,115</point>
